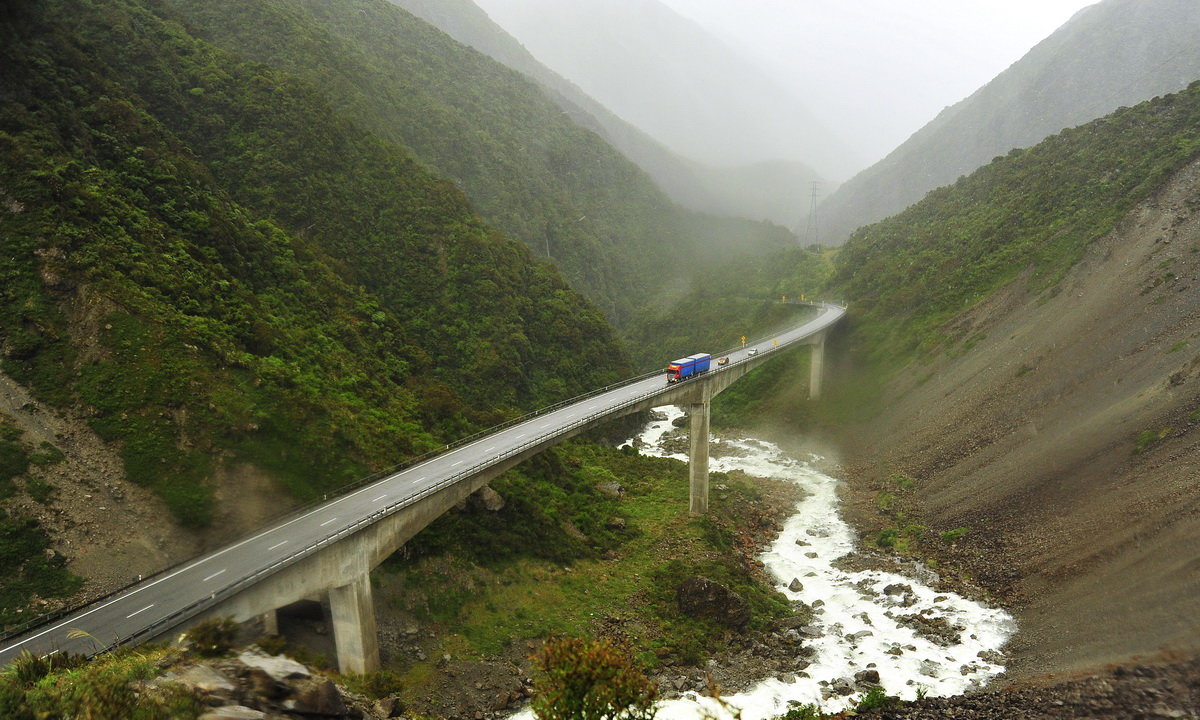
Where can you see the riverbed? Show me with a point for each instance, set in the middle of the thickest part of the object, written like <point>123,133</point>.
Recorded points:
<point>869,626</point>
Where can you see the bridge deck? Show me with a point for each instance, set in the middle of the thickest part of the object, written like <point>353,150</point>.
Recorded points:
<point>167,600</point>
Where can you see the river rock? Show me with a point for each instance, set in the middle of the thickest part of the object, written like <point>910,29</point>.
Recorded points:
<point>898,589</point>
<point>700,597</point>
<point>866,677</point>
<point>795,585</point>
<point>809,631</point>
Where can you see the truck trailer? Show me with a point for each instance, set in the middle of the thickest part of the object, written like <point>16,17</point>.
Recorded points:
<point>687,367</point>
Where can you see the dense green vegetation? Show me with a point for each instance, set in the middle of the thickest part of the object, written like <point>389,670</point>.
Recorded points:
<point>618,561</point>
<point>526,167</point>
<point>29,569</point>
<point>112,687</point>
<point>203,251</point>
<point>1033,211</point>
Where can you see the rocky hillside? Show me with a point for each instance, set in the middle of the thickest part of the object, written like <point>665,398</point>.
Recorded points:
<point>1112,54</point>
<point>1035,333</point>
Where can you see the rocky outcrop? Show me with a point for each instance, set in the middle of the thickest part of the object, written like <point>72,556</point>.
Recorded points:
<point>260,686</point>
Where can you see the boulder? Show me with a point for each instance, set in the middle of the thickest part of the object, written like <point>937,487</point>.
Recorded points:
<point>700,597</point>
<point>319,698</point>
<point>391,707</point>
<point>204,678</point>
<point>233,712</point>
<point>261,683</point>
<point>611,487</point>
<point>866,677</point>
<point>795,585</point>
<point>278,667</point>
<point>485,498</point>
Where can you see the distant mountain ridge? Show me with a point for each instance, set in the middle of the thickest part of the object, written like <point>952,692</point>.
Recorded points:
<point>1112,54</point>
<point>665,75</point>
<point>732,191</point>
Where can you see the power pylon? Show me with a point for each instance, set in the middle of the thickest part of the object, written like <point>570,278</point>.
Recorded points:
<point>811,234</point>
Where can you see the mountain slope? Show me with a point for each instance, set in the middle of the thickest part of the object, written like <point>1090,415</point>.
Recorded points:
<point>735,191</point>
<point>668,77</point>
<point>1115,53</point>
<point>214,267</point>
<point>1036,329</point>
<point>521,161</point>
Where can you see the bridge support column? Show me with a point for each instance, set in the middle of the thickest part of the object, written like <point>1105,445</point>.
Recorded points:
<point>353,612</point>
<point>698,457</point>
<point>816,368</point>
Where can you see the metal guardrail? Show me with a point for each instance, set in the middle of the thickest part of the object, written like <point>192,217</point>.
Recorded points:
<point>237,586</point>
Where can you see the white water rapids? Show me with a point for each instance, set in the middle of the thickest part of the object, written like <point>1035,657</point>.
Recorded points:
<point>856,621</point>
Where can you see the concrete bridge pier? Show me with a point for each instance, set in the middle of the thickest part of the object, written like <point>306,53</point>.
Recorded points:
<point>816,367</point>
<point>698,456</point>
<point>352,609</point>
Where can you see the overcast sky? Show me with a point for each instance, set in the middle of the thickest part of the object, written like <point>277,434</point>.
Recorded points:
<point>875,71</point>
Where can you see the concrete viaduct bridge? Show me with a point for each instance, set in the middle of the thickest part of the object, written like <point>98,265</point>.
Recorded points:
<point>330,550</point>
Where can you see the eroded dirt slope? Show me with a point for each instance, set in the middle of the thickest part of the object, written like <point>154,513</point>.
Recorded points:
<point>1065,437</point>
<point>113,531</point>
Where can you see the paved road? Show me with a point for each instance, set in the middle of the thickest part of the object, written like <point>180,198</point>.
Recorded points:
<point>158,602</point>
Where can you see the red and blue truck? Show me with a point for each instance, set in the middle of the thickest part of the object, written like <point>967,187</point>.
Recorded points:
<point>687,367</point>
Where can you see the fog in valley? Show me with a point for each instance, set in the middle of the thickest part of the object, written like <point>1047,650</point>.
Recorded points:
<point>835,86</point>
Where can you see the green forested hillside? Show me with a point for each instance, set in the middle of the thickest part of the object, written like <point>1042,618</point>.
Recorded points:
<point>523,163</point>
<point>218,264</point>
<point>1032,211</point>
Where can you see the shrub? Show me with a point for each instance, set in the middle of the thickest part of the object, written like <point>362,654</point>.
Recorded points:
<point>876,697</point>
<point>1147,439</point>
<point>807,711</point>
<point>214,637</point>
<point>581,679</point>
<point>375,685</point>
<point>950,536</point>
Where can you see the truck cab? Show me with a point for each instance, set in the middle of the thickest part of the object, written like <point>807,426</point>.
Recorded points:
<point>687,367</point>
